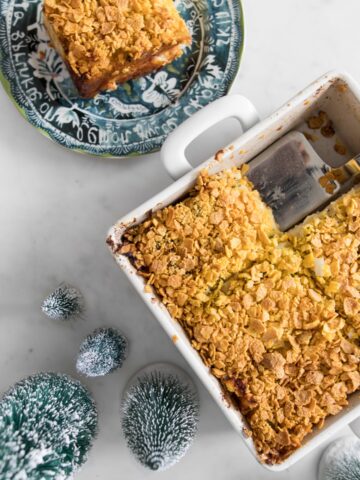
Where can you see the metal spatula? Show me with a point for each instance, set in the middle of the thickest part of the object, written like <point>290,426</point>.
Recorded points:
<point>294,181</point>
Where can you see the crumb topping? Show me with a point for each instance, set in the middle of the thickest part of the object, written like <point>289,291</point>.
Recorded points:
<point>96,34</point>
<point>329,243</point>
<point>188,249</point>
<point>276,317</point>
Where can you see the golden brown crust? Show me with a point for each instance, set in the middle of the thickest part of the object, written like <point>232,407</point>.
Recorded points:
<point>105,42</point>
<point>275,316</point>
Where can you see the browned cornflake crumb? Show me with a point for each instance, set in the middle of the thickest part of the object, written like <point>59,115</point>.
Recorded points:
<point>328,130</point>
<point>276,317</point>
<point>219,155</point>
<point>342,87</point>
<point>310,137</point>
<point>340,175</point>
<point>340,149</point>
<point>247,433</point>
<point>316,121</point>
<point>323,115</point>
<point>327,182</point>
<point>109,41</point>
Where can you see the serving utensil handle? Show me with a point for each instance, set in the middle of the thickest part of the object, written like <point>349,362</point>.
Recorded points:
<point>231,106</point>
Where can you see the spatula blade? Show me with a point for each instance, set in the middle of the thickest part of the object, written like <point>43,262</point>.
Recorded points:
<point>287,176</point>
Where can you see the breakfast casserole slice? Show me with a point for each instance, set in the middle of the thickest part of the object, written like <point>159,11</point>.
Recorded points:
<point>105,42</point>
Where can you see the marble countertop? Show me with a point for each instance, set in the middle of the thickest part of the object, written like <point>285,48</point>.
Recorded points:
<point>56,207</point>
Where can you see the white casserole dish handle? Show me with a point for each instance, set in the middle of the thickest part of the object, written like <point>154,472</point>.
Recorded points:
<point>231,106</point>
<point>355,426</point>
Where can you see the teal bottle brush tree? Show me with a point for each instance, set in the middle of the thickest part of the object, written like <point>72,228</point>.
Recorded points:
<point>160,416</point>
<point>47,425</point>
<point>102,352</point>
<point>341,460</point>
<point>63,303</point>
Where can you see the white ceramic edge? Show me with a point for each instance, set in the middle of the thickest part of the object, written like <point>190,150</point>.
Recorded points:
<point>173,328</point>
<point>355,426</point>
<point>231,106</point>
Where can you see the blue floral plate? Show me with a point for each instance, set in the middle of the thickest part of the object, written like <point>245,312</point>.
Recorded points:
<point>136,118</point>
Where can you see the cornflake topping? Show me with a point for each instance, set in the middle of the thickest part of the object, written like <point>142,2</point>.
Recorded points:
<point>274,316</point>
<point>95,35</point>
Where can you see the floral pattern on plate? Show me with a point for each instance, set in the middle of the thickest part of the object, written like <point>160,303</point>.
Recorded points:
<point>136,117</point>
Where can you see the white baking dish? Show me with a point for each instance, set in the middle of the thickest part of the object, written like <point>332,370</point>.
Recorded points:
<point>336,93</point>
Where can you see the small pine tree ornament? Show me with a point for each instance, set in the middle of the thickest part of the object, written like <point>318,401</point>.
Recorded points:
<point>63,303</point>
<point>341,460</point>
<point>47,425</point>
<point>160,415</point>
<point>102,352</point>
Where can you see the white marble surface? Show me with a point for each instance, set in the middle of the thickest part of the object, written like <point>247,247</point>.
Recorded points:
<point>56,207</point>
